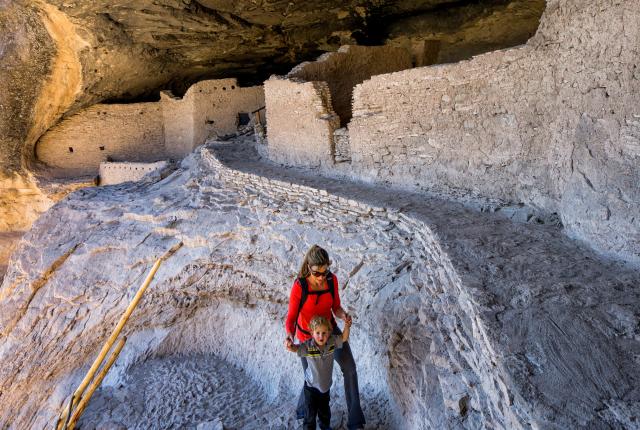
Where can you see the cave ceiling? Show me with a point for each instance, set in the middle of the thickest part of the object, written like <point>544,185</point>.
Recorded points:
<point>177,42</point>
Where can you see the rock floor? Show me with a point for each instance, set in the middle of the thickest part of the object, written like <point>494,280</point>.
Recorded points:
<point>182,392</point>
<point>199,392</point>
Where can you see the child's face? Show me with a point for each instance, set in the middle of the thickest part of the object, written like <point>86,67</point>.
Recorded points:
<point>320,335</point>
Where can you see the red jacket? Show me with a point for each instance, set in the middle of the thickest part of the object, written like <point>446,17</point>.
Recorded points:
<point>323,304</point>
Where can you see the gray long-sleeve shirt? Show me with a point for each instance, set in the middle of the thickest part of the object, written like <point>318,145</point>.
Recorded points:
<point>320,362</point>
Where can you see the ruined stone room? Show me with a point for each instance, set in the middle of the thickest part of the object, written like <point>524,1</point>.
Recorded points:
<point>361,214</point>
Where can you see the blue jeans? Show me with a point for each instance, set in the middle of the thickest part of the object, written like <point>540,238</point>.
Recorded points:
<point>344,358</point>
<point>316,405</point>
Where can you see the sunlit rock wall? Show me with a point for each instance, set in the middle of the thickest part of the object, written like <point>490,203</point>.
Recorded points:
<point>554,124</point>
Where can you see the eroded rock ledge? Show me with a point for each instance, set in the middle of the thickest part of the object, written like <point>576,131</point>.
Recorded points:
<point>464,319</point>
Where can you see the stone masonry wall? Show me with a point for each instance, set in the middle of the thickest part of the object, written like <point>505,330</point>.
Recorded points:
<point>216,105</point>
<point>178,125</point>
<point>78,144</point>
<point>301,122</point>
<point>349,66</point>
<point>116,173</point>
<point>147,132</point>
<point>554,124</point>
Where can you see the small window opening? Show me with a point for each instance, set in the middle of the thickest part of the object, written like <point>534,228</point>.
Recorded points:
<point>70,149</point>
<point>102,148</point>
<point>224,88</point>
<point>243,118</point>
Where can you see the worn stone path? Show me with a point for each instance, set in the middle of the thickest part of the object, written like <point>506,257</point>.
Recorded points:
<point>198,392</point>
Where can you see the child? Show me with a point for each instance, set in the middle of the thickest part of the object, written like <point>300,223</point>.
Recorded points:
<point>318,353</point>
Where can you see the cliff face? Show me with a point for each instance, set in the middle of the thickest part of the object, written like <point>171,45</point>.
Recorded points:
<point>463,319</point>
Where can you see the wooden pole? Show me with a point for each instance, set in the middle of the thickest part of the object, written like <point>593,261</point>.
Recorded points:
<point>77,395</point>
<point>96,383</point>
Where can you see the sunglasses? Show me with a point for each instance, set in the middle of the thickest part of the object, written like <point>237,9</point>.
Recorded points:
<point>319,274</point>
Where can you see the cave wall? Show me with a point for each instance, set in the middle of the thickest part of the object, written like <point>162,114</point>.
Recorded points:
<point>553,124</point>
<point>39,70</point>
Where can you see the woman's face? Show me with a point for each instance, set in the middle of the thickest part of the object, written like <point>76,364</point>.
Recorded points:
<point>319,272</point>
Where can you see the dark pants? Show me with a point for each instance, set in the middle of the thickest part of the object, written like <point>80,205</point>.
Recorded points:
<point>316,403</point>
<point>345,360</point>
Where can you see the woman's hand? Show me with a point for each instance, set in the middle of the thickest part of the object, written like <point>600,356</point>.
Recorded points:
<point>347,319</point>
<point>288,344</point>
<point>343,315</point>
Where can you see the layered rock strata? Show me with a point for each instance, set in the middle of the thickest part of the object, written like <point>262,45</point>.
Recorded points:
<point>463,319</point>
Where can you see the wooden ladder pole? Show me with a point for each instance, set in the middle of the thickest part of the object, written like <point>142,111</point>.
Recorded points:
<point>96,383</point>
<point>77,395</point>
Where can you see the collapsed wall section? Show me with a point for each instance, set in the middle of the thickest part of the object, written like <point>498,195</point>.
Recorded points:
<point>307,106</point>
<point>554,125</point>
<point>349,66</point>
<point>102,132</point>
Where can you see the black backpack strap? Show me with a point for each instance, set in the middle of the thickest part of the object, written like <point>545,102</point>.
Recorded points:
<point>332,285</point>
<point>332,289</point>
<point>304,287</point>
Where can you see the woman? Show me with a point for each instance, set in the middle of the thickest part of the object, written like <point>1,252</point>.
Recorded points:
<point>315,292</point>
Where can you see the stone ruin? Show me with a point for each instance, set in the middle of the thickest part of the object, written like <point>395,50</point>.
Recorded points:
<point>148,132</point>
<point>482,217</point>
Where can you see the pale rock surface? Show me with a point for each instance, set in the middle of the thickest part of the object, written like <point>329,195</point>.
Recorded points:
<point>462,319</point>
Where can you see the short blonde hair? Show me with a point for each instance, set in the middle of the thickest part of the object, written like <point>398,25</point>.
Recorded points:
<point>319,321</point>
